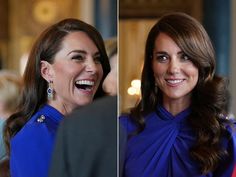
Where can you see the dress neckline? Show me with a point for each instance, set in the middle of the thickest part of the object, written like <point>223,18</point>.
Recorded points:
<point>166,115</point>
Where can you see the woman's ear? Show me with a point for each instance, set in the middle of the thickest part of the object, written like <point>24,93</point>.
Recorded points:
<point>46,71</point>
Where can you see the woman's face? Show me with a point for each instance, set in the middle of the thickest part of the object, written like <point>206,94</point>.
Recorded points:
<point>174,72</point>
<point>76,71</point>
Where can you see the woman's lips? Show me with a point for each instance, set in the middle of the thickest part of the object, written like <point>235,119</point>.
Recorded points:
<point>85,85</point>
<point>174,82</point>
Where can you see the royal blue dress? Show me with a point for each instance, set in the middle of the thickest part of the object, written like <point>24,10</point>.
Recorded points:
<point>162,149</point>
<point>32,146</point>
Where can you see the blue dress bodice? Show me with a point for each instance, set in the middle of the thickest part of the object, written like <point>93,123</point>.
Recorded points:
<point>162,148</point>
<point>32,146</point>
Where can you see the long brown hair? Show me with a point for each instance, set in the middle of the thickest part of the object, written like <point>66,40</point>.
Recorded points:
<point>209,97</point>
<point>45,48</point>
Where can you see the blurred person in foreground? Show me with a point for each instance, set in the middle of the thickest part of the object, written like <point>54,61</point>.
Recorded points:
<point>10,90</point>
<point>180,127</point>
<point>65,70</point>
<point>87,142</point>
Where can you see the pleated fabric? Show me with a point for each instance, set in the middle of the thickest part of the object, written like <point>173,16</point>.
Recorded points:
<point>162,149</point>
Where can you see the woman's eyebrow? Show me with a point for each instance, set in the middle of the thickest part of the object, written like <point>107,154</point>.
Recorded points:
<point>77,51</point>
<point>181,52</point>
<point>97,54</point>
<point>161,52</point>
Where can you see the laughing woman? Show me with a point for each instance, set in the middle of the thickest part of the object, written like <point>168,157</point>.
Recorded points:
<point>180,127</point>
<point>65,70</point>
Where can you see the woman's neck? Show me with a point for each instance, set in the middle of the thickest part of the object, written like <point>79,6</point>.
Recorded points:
<point>175,106</point>
<point>61,107</point>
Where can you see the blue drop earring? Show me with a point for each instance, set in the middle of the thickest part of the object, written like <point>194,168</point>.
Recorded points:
<point>50,91</point>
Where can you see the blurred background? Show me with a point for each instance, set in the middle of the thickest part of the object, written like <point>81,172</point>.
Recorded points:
<point>22,21</point>
<point>136,17</point>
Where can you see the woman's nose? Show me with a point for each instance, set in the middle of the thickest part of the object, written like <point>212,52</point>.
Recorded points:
<point>174,66</point>
<point>91,66</point>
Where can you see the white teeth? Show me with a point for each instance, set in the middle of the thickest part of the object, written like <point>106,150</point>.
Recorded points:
<point>85,82</point>
<point>174,81</point>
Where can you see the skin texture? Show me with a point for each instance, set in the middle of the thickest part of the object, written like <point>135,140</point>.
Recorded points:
<point>78,60</point>
<point>174,73</point>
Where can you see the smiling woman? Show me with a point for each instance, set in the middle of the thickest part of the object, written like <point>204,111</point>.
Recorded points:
<point>180,126</point>
<point>174,73</point>
<point>66,68</point>
<point>78,65</point>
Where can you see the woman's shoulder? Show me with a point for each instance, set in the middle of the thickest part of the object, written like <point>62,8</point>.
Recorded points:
<point>126,123</point>
<point>31,131</point>
<point>232,129</point>
<point>230,125</point>
<point>229,144</point>
<point>124,117</point>
<point>31,147</point>
<point>40,126</point>
<point>229,138</point>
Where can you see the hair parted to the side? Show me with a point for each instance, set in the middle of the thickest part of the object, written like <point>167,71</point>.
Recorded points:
<point>45,48</point>
<point>209,97</point>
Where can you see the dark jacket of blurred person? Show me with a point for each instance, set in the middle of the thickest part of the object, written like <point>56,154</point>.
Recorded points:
<point>86,143</point>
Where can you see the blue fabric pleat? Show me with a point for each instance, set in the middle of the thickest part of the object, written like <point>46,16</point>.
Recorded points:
<point>162,149</point>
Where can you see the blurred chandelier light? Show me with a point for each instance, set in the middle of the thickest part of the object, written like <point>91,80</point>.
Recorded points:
<point>136,83</point>
<point>135,87</point>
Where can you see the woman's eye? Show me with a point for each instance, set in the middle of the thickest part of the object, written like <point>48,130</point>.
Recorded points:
<point>185,57</point>
<point>97,59</point>
<point>162,58</point>
<point>77,57</point>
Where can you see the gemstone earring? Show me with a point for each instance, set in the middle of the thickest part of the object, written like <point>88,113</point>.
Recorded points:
<point>50,91</point>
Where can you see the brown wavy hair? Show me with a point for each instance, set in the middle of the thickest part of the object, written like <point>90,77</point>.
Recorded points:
<point>45,48</point>
<point>209,97</point>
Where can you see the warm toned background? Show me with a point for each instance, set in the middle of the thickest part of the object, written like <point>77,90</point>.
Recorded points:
<point>22,21</point>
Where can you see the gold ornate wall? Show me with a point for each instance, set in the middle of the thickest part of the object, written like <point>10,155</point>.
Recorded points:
<point>3,30</point>
<point>27,19</point>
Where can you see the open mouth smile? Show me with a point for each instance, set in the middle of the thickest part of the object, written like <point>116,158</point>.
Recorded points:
<point>86,85</point>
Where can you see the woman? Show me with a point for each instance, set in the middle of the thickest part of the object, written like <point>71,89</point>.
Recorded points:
<point>10,89</point>
<point>65,70</point>
<point>180,127</point>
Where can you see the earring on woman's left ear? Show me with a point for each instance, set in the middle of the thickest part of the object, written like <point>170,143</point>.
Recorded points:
<point>50,90</point>
<point>156,88</point>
